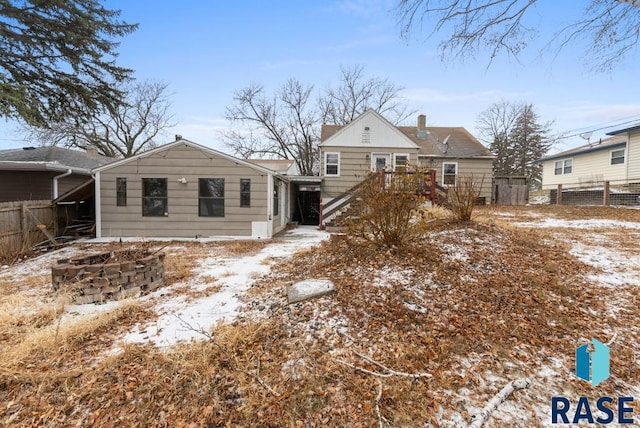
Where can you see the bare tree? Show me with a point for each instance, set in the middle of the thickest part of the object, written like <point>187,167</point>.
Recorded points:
<point>286,124</point>
<point>282,126</point>
<point>123,130</point>
<point>610,26</point>
<point>357,93</point>
<point>495,125</point>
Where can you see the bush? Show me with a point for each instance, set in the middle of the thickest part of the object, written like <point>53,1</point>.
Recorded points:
<point>382,208</point>
<point>463,196</point>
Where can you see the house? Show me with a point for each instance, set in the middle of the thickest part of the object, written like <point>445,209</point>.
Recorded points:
<point>44,173</point>
<point>592,164</point>
<point>183,189</point>
<point>370,143</point>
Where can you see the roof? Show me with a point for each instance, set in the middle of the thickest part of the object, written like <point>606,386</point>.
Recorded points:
<point>51,158</point>
<point>446,141</point>
<point>279,165</point>
<point>635,127</point>
<point>460,143</point>
<point>606,144</point>
<point>185,142</point>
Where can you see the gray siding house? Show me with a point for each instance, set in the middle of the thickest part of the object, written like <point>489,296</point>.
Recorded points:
<point>183,189</point>
<point>44,173</point>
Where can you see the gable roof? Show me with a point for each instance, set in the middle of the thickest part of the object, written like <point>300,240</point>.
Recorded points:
<point>606,144</point>
<point>188,143</point>
<point>331,132</point>
<point>459,142</point>
<point>51,158</point>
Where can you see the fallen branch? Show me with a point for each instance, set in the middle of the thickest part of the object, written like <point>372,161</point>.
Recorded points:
<point>382,422</point>
<point>480,419</point>
<point>389,372</point>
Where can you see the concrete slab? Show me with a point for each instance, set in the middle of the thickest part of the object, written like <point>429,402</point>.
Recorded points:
<point>309,289</point>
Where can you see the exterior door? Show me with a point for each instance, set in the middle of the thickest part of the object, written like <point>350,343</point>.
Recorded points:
<point>380,161</point>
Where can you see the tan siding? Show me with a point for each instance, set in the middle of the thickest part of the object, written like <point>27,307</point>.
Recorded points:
<point>481,169</point>
<point>183,220</point>
<point>354,166</point>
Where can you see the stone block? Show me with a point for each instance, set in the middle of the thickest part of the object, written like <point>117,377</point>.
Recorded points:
<point>100,282</point>
<point>111,268</point>
<point>110,289</point>
<point>91,290</point>
<point>308,289</point>
<point>86,299</point>
<point>94,268</point>
<point>127,266</point>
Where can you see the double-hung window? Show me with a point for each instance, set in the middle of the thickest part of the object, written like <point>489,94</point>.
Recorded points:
<point>617,157</point>
<point>154,197</point>
<point>564,166</point>
<point>332,164</point>
<point>121,191</point>
<point>245,192</point>
<point>211,197</point>
<point>449,172</point>
<point>400,161</point>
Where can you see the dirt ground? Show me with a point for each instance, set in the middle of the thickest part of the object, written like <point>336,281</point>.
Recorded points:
<point>410,338</point>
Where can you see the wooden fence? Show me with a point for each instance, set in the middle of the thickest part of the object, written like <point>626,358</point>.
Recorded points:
<point>24,224</point>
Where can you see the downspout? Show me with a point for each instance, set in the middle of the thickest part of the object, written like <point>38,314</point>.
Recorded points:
<point>55,183</point>
<point>96,195</point>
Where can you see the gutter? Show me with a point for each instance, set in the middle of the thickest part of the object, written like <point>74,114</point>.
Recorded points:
<point>55,182</point>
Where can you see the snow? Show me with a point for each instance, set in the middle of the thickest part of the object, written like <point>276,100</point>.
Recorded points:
<point>181,319</point>
<point>617,268</point>
<point>308,289</point>
<point>594,223</point>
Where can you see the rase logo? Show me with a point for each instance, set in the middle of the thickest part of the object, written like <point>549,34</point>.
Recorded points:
<point>592,365</point>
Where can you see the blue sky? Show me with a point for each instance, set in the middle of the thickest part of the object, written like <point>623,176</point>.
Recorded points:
<point>207,49</point>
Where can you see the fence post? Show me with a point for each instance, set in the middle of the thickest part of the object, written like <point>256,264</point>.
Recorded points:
<point>24,224</point>
<point>605,194</point>
<point>559,195</point>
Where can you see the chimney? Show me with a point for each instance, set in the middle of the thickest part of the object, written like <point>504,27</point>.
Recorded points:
<point>422,122</point>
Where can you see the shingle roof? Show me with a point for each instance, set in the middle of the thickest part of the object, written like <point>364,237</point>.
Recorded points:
<point>64,158</point>
<point>606,144</point>
<point>460,143</point>
<point>278,165</point>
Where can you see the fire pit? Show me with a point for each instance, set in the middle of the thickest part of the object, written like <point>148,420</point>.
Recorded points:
<point>109,276</point>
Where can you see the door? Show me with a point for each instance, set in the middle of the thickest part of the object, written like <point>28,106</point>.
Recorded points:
<point>380,161</point>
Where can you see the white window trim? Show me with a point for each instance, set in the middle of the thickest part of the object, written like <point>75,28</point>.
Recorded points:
<point>624,157</point>
<point>373,159</point>
<point>395,162</point>
<point>562,162</point>
<point>326,154</point>
<point>456,175</point>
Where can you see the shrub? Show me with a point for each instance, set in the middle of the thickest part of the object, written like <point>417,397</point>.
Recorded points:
<point>383,206</point>
<point>463,196</point>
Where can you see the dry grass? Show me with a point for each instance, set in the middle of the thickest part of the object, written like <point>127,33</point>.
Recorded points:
<point>249,247</point>
<point>498,302</point>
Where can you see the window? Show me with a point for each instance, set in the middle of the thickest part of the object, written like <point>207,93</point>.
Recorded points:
<point>154,197</point>
<point>617,157</point>
<point>400,162</point>
<point>121,191</point>
<point>211,197</point>
<point>449,171</point>
<point>563,167</point>
<point>245,192</point>
<point>332,164</point>
<point>276,197</point>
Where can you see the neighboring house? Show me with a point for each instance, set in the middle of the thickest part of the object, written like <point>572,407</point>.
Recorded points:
<point>370,142</point>
<point>183,189</point>
<point>44,173</point>
<point>592,164</point>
